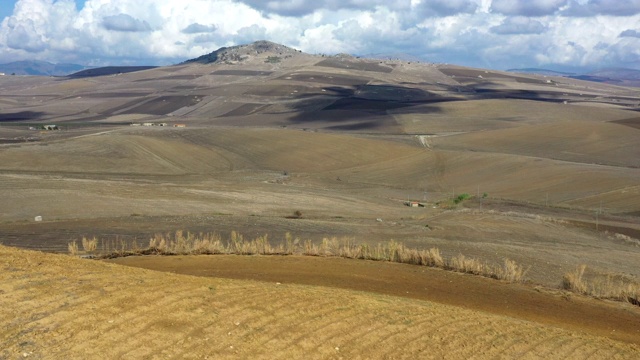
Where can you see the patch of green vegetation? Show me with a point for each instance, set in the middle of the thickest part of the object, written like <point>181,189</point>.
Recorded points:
<point>462,197</point>
<point>273,59</point>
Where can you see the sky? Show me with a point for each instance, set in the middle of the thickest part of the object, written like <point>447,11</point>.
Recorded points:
<point>494,34</point>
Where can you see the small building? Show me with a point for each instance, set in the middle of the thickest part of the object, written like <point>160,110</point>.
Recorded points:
<point>180,125</point>
<point>1,74</point>
<point>147,124</point>
<point>413,204</point>
<point>50,127</point>
<point>163,124</point>
<point>135,124</point>
<point>38,218</point>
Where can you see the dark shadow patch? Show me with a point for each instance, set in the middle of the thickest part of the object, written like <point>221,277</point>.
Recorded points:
<point>21,116</point>
<point>359,126</point>
<point>107,95</point>
<point>632,122</point>
<point>173,77</point>
<point>352,111</point>
<point>109,70</point>
<point>546,96</point>
<point>242,72</point>
<point>366,105</point>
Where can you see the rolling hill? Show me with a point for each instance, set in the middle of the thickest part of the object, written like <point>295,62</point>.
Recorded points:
<point>240,139</point>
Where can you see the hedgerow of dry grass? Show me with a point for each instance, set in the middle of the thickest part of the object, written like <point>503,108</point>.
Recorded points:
<point>180,243</point>
<point>602,286</point>
<point>607,286</point>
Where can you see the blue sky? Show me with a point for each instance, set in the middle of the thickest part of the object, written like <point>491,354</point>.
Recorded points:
<point>497,34</point>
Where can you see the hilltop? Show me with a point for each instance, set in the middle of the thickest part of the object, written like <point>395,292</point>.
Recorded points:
<point>240,53</point>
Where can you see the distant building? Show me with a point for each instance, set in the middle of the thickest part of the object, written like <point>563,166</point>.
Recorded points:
<point>147,124</point>
<point>1,74</point>
<point>50,127</point>
<point>413,204</point>
<point>163,124</point>
<point>179,125</point>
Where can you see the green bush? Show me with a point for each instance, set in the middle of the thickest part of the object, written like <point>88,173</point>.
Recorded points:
<point>461,198</point>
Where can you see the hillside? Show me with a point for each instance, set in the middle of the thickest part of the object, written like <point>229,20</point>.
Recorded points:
<point>264,140</point>
<point>39,68</point>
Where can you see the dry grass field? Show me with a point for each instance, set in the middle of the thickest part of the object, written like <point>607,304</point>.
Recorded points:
<point>550,165</point>
<point>54,306</point>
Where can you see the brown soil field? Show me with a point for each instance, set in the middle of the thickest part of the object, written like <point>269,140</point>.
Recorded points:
<point>547,169</point>
<point>56,306</point>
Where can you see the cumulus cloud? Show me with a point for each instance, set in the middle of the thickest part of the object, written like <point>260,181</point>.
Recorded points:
<point>482,33</point>
<point>124,22</point>
<point>630,33</point>
<point>519,25</point>
<point>304,7</point>
<point>527,7</point>
<point>196,28</point>
<point>603,7</point>
<point>446,7</point>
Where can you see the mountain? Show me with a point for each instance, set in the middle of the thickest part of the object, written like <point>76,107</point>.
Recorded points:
<point>240,53</point>
<point>614,76</point>
<point>539,71</point>
<point>109,70</point>
<point>41,68</point>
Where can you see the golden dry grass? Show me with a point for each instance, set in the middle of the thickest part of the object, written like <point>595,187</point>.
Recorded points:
<point>58,307</point>
<point>602,286</point>
<point>180,243</point>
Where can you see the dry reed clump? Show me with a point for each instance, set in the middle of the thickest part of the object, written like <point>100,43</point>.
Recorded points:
<point>73,248</point>
<point>602,286</point>
<point>180,243</point>
<point>89,245</point>
<point>511,271</point>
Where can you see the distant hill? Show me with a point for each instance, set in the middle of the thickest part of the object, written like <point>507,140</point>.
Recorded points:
<point>235,54</point>
<point>110,70</point>
<point>40,68</point>
<point>539,71</point>
<point>614,76</point>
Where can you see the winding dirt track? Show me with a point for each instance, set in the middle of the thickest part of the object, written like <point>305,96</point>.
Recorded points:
<point>54,306</point>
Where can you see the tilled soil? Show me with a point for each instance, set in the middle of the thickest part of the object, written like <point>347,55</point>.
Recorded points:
<point>56,306</point>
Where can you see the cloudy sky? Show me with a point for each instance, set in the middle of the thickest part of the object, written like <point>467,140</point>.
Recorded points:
<point>497,34</point>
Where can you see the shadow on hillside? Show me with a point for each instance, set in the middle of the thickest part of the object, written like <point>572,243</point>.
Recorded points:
<point>21,116</point>
<point>366,107</point>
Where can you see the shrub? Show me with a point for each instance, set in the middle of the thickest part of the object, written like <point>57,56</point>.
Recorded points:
<point>462,197</point>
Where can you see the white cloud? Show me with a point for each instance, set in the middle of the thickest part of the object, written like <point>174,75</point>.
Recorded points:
<point>519,25</point>
<point>487,33</point>
<point>527,7</point>
<point>124,22</point>
<point>196,28</point>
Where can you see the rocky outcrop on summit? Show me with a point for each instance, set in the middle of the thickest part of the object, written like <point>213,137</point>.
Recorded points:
<point>236,54</point>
